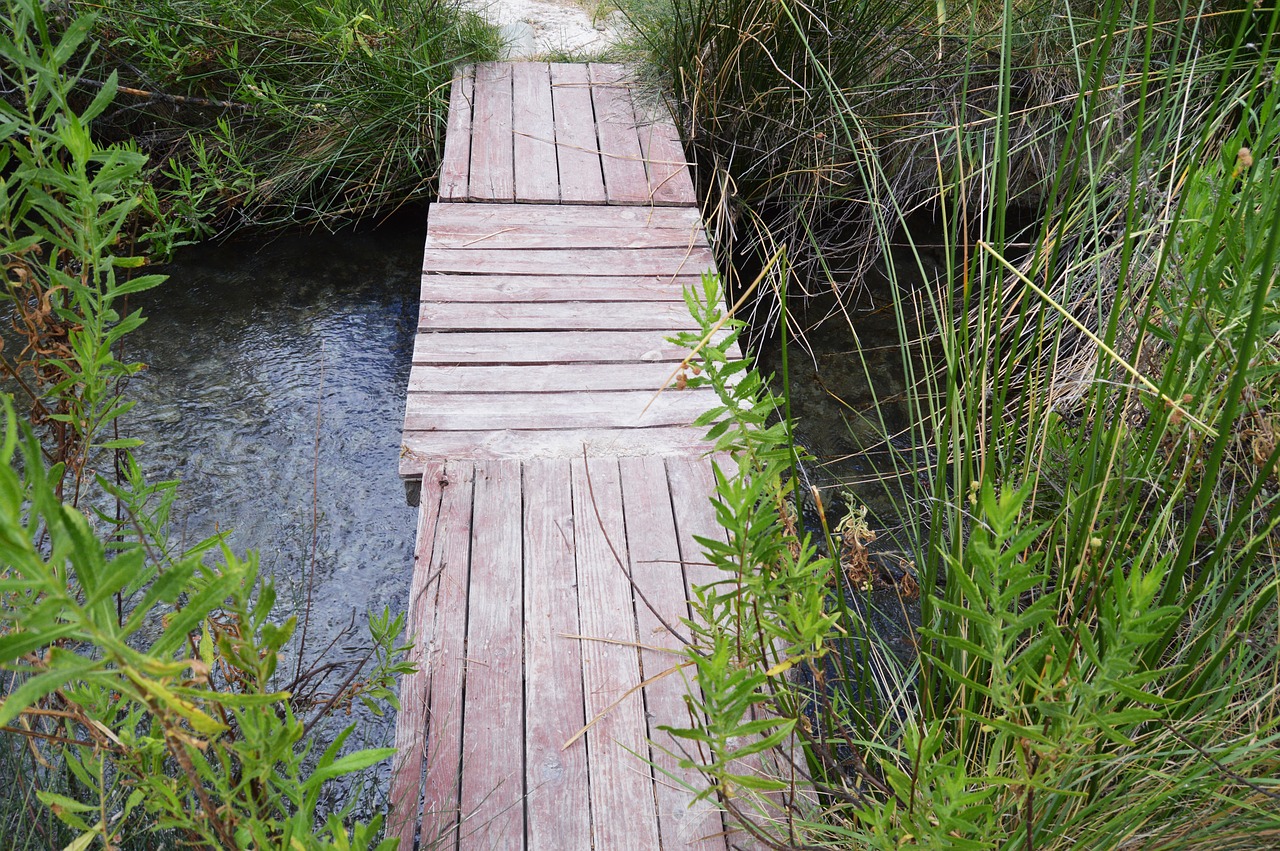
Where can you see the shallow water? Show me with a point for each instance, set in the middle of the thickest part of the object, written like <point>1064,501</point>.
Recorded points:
<point>274,391</point>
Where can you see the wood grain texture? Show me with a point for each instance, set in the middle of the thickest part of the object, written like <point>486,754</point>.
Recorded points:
<point>455,164</point>
<point>450,565</point>
<point>581,261</point>
<point>559,236</point>
<point>411,722</point>
<point>554,411</point>
<point>625,178</point>
<point>554,288</point>
<point>670,182</point>
<point>665,316</point>
<point>495,216</point>
<point>492,175</point>
<point>492,764</point>
<point>537,378</point>
<point>578,151</point>
<point>661,603</point>
<point>537,178</point>
<point>558,803</point>
<point>622,797</point>
<point>418,447</point>
<point>477,347</point>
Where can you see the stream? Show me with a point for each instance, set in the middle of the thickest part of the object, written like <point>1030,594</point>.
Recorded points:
<point>274,390</point>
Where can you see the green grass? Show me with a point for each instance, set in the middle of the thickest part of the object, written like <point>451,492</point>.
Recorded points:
<point>287,112</point>
<point>1096,403</point>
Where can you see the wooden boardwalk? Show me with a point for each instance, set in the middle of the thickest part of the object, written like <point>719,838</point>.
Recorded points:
<point>560,494</point>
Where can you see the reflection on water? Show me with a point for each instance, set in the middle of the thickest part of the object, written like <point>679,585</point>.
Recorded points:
<point>274,390</point>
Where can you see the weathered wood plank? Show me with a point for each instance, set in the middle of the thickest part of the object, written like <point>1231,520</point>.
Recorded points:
<point>557,806</point>
<point>551,411</point>
<point>625,179</point>
<point>670,182</point>
<point>557,236</point>
<point>537,178</point>
<point>420,446</point>
<point>455,165</point>
<point>450,564</point>
<point>492,166</point>
<point>492,764</point>
<point>561,215</point>
<point>411,722</point>
<point>554,288</point>
<point>586,261</point>
<point>622,797</point>
<point>477,347</point>
<point>581,180</point>
<point>663,316</point>
<point>661,603</point>
<point>538,378</point>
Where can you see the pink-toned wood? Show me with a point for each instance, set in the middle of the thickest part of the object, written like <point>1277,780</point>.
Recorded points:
<point>692,485</point>
<point>492,760</point>
<point>554,411</point>
<point>622,797</point>
<point>536,175</point>
<point>670,183</point>
<point>559,236</point>
<point>663,316</point>
<point>625,180</point>
<point>420,446</point>
<point>557,804</point>
<point>455,164</point>
<point>562,215</point>
<point>578,151</point>
<point>477,347</point>
<point>538,378</point>
<point>492,175</point>
<point>553,288</point>
<point>411,722</point>
<point>586,261</point>
<point>449,565</point>
<point>661,603</point>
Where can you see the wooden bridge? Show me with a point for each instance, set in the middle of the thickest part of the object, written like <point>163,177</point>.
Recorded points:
<point>559,498</point>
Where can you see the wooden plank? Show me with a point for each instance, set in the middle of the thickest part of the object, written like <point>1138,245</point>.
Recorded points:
<point>692,485</point>
<point>554,411</point>
<point>661,603</point>
<point>625,179</point>
<point>557,236</point>
<point>420,446</point>
<point>476,347</point>
<point>670,183</point>
<point>578,152</point>
<point>582,316</point>
<point>537,178</point>
<point>455,165</point>
<point>622,797</point>
<point>587,261</point>
<point>411,722</point>
<point>492,167</point>
<point>561,215</point>
<point>538,378</point>
<point>450,563</point>
<point>492,764</point>
<point>557,805</point>
<point>554,288</point>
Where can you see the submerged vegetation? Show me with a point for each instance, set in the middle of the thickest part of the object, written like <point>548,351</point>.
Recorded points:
<point>1090,487</point>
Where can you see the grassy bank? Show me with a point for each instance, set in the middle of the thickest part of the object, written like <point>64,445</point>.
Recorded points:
<point>282,113</point>
<point>1091,488</point>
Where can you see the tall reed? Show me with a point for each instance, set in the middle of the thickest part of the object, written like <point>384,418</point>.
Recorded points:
<point>1095,536</point>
